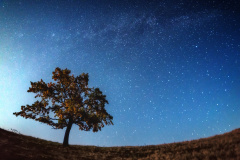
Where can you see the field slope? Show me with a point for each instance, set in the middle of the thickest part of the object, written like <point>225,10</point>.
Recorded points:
<point>219,147</point>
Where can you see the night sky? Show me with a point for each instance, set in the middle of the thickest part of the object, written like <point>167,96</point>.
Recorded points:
<point>170,69</point>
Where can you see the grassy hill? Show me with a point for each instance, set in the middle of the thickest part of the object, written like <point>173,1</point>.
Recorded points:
<point>220,147</point>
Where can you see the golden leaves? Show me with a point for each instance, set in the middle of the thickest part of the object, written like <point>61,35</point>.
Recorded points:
<point>70,97</point>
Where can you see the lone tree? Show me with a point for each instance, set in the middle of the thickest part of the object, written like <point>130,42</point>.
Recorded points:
<point>67,102</point>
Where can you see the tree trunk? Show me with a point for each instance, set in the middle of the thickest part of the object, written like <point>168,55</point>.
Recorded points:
<point>66,136</point>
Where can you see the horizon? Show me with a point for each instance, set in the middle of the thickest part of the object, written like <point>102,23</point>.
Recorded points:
<point>17,132</point>
<point>170,70</point>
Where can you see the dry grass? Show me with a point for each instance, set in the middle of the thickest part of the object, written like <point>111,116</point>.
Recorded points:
<point>220,147</point>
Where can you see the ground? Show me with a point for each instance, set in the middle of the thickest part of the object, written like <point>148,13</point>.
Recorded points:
<point>15,146</point>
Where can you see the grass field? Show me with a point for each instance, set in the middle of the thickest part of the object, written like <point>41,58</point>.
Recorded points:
<point>16,146</point>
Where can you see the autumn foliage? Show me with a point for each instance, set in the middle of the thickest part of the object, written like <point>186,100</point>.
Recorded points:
<point>66,102</point>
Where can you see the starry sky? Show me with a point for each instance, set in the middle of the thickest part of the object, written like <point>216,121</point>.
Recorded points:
<point>170,69</point>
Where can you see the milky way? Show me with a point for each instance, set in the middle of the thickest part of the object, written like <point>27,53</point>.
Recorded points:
<point>170,70</point>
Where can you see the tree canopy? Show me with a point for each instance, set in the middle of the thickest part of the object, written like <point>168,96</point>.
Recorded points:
<point>66,102</point>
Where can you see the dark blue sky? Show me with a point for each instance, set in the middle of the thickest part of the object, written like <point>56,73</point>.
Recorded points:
<point>170,69</point>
